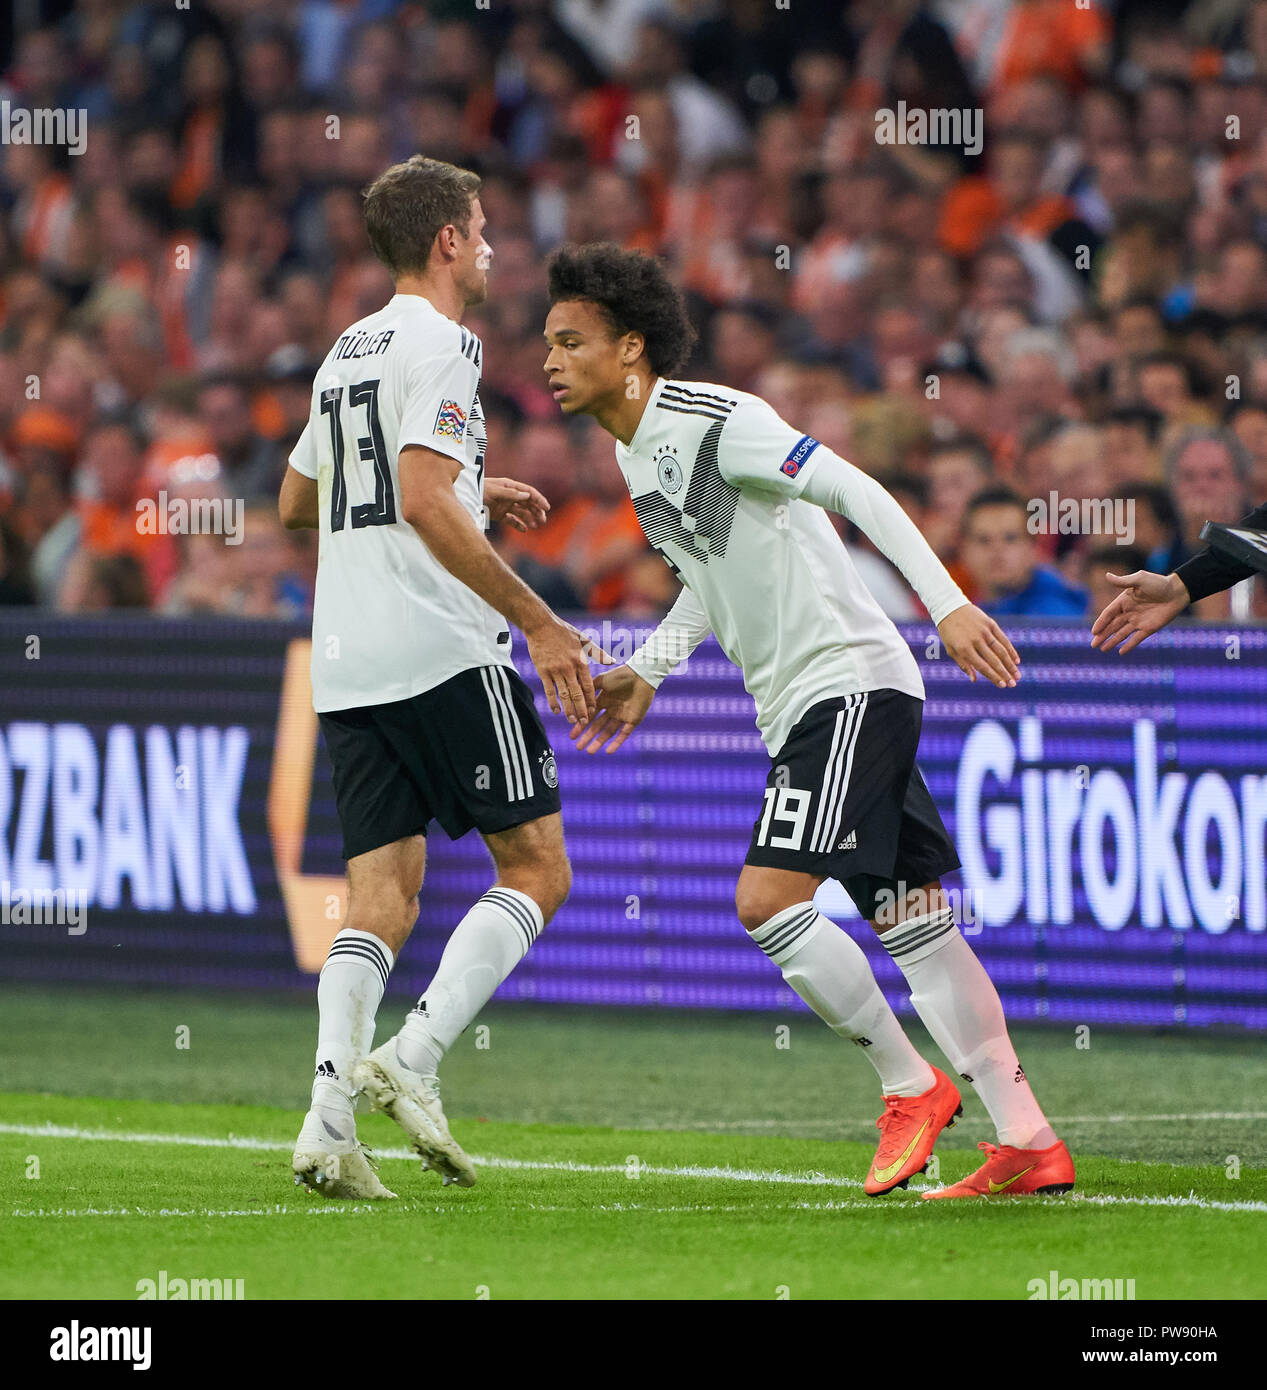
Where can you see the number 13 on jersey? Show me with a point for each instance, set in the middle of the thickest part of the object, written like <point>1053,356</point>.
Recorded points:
<point>370,448</point>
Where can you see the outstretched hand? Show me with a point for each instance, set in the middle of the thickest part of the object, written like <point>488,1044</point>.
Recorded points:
<point>561,655</point>
<point>1146,604</point>
<point>622,698</point>
<point>519,505</point>
<point>979,646</point>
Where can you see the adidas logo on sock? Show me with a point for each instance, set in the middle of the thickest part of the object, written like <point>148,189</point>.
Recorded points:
<point>863,1042</point>
<point>420,1008</point>
<point>1020,1074</point>
<point>850,841</point>
<point>326,1069</point>
<point>964,1075</point>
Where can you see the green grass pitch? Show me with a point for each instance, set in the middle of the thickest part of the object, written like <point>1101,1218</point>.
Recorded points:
<point>621,1155</point>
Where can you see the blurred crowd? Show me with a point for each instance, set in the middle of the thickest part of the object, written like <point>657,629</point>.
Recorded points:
<point>1077,309</point>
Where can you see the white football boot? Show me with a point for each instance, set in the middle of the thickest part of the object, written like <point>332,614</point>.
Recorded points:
<point>413,1101</point>
<point>335,1165</point>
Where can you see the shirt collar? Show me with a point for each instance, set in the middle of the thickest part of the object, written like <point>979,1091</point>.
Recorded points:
<point>645,425</point>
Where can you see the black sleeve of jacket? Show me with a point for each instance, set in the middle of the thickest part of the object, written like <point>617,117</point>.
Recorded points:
<point>1208,572</point>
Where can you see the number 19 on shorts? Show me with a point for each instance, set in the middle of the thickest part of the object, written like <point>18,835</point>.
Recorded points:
<point>786,807</point>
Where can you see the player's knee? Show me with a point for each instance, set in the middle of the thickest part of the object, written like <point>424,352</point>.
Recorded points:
<point>756,905</point>
<point>385,909</point>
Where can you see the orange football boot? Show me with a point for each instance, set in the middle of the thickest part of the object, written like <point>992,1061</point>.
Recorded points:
<point>1009,1172</point>
<point>908,1130</point>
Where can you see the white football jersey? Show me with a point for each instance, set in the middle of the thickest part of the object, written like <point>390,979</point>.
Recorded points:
<point>389,621</point>
<point>716,476</point>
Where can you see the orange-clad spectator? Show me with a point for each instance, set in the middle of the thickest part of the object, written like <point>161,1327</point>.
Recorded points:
<point>1009,197</point>
<point>613,207</point>
<point>854,201</point>
<point>39,438</point>
<point>710,223</point>
<point>44,212</point>
<point>598,117</point>
<point>213,128</point>
<point>175,433</point>
<point>147,255</point>
<point>588,540</point>
<point>605,540</point>
<point>650,588</point>
<point>39,431</point>
<point>591,535</point>
<point>1053,38</point>
<point>114,464</point>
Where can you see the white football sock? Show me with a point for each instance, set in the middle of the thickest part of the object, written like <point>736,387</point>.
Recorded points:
<point>485,947</point>
<point>960,1007</point>
<point>827,968</point>
<point>349,992</point>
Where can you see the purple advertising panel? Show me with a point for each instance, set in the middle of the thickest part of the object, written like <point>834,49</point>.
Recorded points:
<point>166,817</point>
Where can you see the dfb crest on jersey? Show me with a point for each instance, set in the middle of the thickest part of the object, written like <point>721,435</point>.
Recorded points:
<point>668,469</point>
<point>549,770</point>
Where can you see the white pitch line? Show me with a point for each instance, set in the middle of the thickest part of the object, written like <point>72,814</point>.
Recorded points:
<point>1191,1200</point>
<point>51,1131</point>
<point>617,1208</point>
<point>1159,1119</point>
<point>837,1122</point>
<point>454,1209</point>
<point>326,1209</point>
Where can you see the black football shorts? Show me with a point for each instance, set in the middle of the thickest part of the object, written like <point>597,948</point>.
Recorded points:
<point>471,753</point>
<point>845,800</point>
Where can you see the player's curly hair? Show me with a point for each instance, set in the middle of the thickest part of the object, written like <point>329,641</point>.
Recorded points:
<point>634,293</point>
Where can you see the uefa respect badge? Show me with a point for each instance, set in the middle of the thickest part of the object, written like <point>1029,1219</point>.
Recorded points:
<point>794,462</point>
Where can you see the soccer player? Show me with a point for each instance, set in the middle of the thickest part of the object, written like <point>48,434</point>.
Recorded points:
<point>732,497</point>
<point>424,716</point>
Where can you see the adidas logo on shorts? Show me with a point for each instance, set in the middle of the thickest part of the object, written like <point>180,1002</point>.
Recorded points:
<point>850,841</point>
